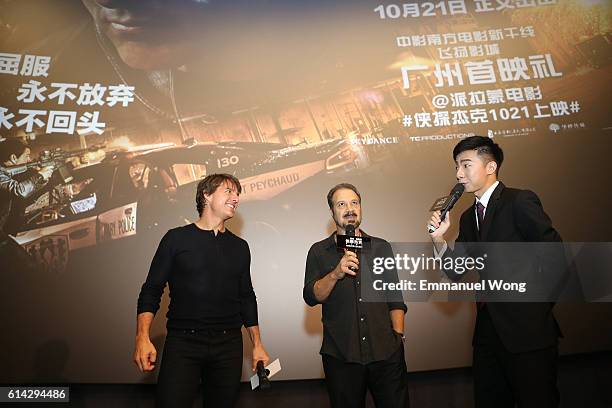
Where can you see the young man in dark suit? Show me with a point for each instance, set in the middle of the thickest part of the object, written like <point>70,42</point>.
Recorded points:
<point>515,343</point>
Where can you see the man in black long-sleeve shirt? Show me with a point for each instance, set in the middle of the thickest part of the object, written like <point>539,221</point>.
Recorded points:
<point>207,269</point>
<point>362,340</point>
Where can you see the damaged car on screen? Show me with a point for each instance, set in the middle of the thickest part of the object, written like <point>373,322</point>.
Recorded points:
<point>151,187</point>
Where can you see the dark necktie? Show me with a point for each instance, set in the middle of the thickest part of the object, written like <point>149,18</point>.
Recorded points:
<point>480,210</point>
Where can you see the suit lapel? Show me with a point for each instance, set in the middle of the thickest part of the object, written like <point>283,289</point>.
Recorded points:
<point>490,212</point>
<point>473,227</point>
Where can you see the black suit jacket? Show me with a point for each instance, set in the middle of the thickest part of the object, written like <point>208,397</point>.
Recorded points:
<point>512,216</point>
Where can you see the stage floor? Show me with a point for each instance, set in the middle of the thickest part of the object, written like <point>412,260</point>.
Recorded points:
<point>585,380</point>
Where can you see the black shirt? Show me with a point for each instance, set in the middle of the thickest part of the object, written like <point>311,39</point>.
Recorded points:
<point>354,330</point>
<point>209,280</point>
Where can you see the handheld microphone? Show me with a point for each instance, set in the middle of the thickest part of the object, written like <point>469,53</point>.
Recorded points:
<point>262,373</point>
<point>261,379</point>
<point>352,242</point>
<point>350,230</point>
<point>453,197</point>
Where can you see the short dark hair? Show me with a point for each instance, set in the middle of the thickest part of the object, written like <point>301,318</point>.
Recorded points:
<point>209,185</point>
<point>484,146</point>
<point>12,146</point>
<point>340,186</point>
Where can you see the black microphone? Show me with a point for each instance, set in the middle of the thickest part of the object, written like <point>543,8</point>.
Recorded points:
<point>350,230</point>
<point>262,373</point>
<point>350,241</point>
<point>454,196</point>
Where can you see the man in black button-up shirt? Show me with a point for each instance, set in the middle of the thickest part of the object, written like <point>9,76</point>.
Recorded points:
<point>362,340</point>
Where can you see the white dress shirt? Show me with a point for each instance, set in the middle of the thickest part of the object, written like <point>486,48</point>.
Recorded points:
<point>484,200</point>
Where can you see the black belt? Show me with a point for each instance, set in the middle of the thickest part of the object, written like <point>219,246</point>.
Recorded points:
<point>203,331</point>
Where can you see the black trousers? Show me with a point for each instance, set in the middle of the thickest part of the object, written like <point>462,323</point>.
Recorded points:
<point>387,380</point>
<point>503,379</point>
<point>213,358</point>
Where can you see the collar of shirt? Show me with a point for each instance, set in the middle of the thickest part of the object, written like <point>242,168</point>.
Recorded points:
<point>487,195</point>
<point>210,232</point>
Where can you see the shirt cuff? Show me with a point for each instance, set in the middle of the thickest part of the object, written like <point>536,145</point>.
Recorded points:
<point>308,294</point>
<point>397,306</point>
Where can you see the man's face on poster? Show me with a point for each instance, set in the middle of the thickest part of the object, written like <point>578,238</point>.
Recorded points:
<point>231,40</point>
<point>150,34</point>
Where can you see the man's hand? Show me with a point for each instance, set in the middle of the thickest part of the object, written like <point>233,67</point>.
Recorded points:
<point>145,354</point>
<point>441,226</point>
<point>46,172</point>
<point>349,264</point>
<point>259,354</point>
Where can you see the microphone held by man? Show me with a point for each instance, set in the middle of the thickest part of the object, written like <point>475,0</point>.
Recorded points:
<point>446,206</point>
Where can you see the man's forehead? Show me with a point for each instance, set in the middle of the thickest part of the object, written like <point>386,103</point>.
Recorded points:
<point>468,155</point>
<point>344,194</point>
<point>227,184</point>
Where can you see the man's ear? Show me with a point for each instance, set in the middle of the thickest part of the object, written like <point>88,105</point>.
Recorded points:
<point>13,158</point>
<point>491,167</point>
